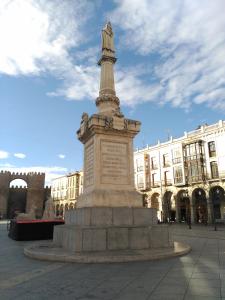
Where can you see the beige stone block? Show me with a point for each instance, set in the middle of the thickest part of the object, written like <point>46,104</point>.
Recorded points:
<point>143,216</point>
<point>159,236</point>
<point>85,216</point>
<point>101,216</point>
<point>110,197</point>
<point>122,216</point>
<point>94,239</point>
<point>139,238</point>
<point>117,238</point>
<point>75,239</point>
<point>57,235</point>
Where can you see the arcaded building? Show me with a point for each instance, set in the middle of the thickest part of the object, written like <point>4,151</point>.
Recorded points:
<point>184,178</point>
<point>65,191</point>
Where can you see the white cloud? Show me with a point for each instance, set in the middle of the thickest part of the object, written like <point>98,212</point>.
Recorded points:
<point>186,36</point>
<point>20,155</point>
<point>35,35</point>
<point>51,172</point>
<point>62,156</point>
<point>189,38</point>
<point>4,154</point>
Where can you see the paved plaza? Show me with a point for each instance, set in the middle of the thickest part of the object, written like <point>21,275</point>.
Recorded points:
<point>198,275</point>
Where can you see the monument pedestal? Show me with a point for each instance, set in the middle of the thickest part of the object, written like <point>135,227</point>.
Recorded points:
<point>111,228</point>
<point>108,162</point>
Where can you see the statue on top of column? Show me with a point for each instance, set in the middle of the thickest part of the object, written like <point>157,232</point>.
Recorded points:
<point>107,38</point>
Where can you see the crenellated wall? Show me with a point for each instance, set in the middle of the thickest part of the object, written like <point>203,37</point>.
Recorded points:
<point>13,197</point>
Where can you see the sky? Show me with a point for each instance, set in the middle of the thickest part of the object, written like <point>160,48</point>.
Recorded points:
<point>170,73</point>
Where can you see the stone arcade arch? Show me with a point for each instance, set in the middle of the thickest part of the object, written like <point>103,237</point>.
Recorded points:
<point>217,197</point>
<point>155,203</point>
<point>66,206</point>
<point>169,213</point>
<point>183,206</point>
<point>35,191</point>
<point>57,210</point>
<point>200,206</point>
<point>61,210</point>
<point>71,206</point>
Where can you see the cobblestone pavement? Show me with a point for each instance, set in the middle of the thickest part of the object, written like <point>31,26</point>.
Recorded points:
<point>198,275</point>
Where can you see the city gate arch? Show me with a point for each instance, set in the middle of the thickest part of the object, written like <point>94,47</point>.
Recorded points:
<point>17,198</point>
<point>35,191</point>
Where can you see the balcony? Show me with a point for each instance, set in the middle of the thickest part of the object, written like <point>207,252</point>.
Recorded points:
<point>176,160</point>
<point>154,167</point>
<point>140,186</point>
<point>155,184</point>
<point>140,168</point>
<point>167,165</point>
<point>196,179</point>
<point>178,180</point>
<point>167,182</point>
<point>194,157</point>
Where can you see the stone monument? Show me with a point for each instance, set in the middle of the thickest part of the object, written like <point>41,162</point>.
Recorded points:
<point>49,212</point>
<point>110,222</point>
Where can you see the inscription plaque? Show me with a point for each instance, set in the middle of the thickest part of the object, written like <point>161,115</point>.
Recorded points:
<point>114,163</point>
<point>89,165</point>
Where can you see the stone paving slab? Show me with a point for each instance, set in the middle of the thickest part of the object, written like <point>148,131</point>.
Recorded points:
<point>27,279</point>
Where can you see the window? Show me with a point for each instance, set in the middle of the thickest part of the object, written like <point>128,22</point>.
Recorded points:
<point>166,162</point>
<point>178,175</point>
<point>140,166</point>
<point>193,151</point>
<point>212,149</point>
<point>153,179</point>
<point>214,169</point>
<point>140,182</point>
<point>195,171</point>
<point>167,181</point>
<point>176,156</point>
<point>154,163</point>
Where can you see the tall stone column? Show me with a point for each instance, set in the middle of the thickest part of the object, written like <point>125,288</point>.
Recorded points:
<point>108,142</point>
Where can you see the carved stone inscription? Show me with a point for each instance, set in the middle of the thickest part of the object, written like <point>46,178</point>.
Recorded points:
<point>89,165</point>
<point>114,163</point>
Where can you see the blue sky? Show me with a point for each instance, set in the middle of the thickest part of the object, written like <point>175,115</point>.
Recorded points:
<point>170,73</point>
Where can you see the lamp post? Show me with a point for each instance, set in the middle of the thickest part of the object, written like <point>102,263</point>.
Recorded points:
<point>214,213</point>
<point>188,208</point>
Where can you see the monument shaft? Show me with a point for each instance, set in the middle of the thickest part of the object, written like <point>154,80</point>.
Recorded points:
<point>108,143</point>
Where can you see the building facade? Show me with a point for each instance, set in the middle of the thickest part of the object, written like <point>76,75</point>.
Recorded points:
<point>65,191</point>
<point>184,178</point>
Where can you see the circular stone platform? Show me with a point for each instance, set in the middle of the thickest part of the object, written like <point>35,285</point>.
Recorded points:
<point>47,251</point>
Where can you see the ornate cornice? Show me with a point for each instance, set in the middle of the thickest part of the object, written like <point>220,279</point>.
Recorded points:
<point>107,58</point>
<point>108,98</point>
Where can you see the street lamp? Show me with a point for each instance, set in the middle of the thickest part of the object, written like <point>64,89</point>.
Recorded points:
<point>187,203</point>
<point>214,213</point>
